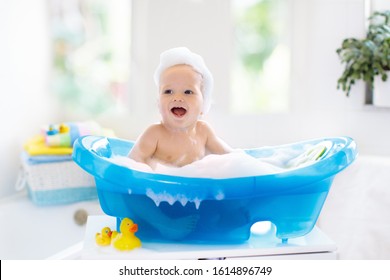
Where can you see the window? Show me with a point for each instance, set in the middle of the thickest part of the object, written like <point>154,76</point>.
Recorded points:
<point>91,53</point>
<point>379,96</point>
<point>261,67</point>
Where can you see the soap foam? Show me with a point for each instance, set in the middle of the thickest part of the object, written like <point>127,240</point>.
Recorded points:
<point>230,165</point>
<point>171,199</point>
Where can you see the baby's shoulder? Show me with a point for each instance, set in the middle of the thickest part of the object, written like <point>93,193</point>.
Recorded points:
<point>153,130</point>
<point>204,127</point>
<point>155,127</point>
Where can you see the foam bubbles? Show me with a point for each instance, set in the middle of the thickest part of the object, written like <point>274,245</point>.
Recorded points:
<point>231,165</point>
<point>220,196</point>
<point>130,163</point>
<point>171,199</point>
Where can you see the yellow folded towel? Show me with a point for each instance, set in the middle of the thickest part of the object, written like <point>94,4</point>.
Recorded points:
<point>37,146</point>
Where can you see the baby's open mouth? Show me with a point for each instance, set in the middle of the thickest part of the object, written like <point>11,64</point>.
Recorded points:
<point>178,111</point>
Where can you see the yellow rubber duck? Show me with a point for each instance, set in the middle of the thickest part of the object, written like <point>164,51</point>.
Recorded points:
<point>125,239</point>
<point>104,238</point>
<point>64,128</point>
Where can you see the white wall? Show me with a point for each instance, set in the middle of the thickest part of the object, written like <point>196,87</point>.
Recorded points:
<point>24,97</point>
<point>318,109</point>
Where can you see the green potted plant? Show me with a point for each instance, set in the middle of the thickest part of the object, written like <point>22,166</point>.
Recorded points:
<point>367,58</point>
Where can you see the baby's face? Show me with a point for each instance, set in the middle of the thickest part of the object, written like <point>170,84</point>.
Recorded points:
<point>180,98</point>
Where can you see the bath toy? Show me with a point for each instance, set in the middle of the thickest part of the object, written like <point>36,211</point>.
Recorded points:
<point>52,130</point>
<point>104,238</point>
<point>64,128</point>
<point>209,210</point>
<point>64,134</point>
<point>125,239</point>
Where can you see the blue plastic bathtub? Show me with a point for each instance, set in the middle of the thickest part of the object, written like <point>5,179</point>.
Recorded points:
<point>213,210</point>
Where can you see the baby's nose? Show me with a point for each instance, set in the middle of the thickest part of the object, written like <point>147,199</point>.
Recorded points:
<point>177,98</point>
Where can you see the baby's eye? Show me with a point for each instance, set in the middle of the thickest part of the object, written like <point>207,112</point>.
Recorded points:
<point>188,91</point>
<point>168,91</point>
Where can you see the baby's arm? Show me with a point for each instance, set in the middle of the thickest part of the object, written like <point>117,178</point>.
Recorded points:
<point>145,146</point>
<point>214,144</point>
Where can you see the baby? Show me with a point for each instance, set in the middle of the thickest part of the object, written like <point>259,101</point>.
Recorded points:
<point>184,84</point>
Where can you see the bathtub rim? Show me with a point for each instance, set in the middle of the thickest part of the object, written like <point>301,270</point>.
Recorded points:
<point>92,152</point>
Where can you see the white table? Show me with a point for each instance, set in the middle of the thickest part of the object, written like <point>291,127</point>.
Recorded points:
<point>315,245</point>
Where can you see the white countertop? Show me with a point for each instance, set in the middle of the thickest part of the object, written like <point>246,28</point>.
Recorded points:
<point>316,243</point>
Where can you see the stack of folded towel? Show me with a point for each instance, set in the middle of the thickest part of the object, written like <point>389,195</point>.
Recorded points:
<point>49,172</point>
<point>58,139</point>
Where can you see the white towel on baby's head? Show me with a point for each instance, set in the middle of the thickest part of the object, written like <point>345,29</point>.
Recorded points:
<point>182,55</point>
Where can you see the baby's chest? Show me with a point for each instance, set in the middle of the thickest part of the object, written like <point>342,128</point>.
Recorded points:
<point>181,152</point>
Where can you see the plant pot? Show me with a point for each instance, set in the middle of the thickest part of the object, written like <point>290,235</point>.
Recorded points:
<point>381,97</point>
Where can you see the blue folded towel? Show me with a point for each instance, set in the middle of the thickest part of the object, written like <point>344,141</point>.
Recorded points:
<point>44,159</point>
